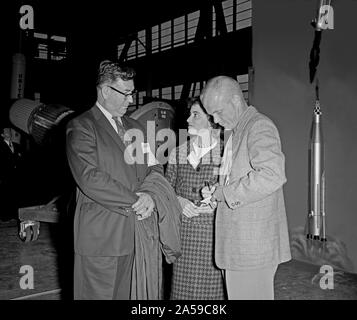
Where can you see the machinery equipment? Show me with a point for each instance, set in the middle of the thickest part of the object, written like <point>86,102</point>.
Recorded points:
<point>43,123</point>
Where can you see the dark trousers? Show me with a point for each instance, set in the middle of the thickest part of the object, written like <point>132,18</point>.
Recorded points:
<point>102,278</point>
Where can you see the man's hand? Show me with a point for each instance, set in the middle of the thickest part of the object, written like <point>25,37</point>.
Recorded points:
<point>144,206</point>
<point>188,208</point>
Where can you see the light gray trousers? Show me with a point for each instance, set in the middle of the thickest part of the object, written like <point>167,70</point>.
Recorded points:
<point>257,284</point>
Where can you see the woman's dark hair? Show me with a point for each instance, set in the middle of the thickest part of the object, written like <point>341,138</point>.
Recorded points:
<point>197,100</point>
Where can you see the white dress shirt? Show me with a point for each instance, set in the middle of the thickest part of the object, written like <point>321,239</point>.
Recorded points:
<point>109,116</point>
<point>11,146</point>
<point>226,165</point>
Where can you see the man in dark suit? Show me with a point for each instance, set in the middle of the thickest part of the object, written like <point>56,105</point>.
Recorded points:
<point>9,160</point>
<point>107,183</point>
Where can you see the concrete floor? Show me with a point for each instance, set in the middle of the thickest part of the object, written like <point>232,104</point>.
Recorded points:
<point>45,256</point>
<point>51,259</point>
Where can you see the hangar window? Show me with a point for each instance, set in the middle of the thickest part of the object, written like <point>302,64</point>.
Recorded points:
<point>192,22</point>
<point>179,31</point>
<point>196,88</point>
<point>244,14</point>
<point>166,93</point>
<point>42,52</point>
<point>140,44</point>
<point>120,49</point>
<point>177,91</point>
<point>167,35</point>
<point>155,39</point>
<point>237,15</point>
<point>58,48</point>
<point>40,35</point>
<point>182,30</point>
<point>228,14</point>
<point>243,80</point>
<point>156,93</point>
<point>50,47</point>
<point>132,50</point>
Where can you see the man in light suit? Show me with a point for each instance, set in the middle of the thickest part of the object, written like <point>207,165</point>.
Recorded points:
<point>251,224</point>
<point>107,184</point>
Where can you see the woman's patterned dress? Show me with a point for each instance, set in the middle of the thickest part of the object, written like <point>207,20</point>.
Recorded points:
<point>195,276</point>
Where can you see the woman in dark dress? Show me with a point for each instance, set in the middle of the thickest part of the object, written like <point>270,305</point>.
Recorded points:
<point>191,165</point>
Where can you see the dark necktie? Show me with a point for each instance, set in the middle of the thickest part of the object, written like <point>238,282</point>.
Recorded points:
<point>121,130</point>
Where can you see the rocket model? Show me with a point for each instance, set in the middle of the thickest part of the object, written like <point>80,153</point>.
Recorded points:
<point>316,216</point>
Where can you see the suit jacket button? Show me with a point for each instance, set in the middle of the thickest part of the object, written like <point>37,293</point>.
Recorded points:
<point>233,204</point>
<point>194,190</point>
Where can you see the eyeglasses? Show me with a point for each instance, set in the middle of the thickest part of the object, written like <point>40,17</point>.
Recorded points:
<point>125,94</point>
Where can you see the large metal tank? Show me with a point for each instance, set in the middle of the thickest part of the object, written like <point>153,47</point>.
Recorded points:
<point>157,117</point>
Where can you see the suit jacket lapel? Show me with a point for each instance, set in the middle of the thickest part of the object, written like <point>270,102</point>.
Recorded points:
<point>241,127</point>
<point>105,124</point>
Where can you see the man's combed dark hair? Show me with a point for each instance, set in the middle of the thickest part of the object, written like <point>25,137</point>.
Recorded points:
<point>112,71</point>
